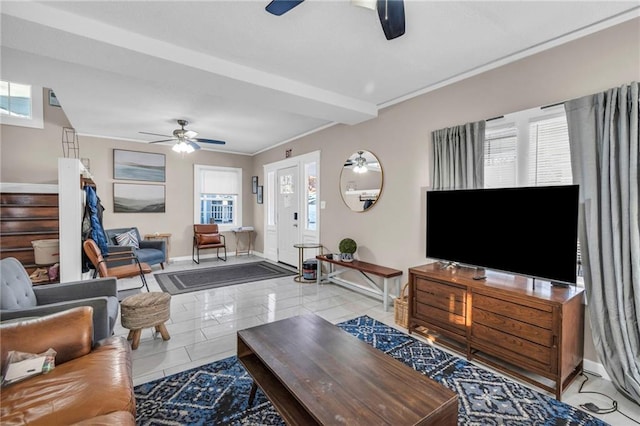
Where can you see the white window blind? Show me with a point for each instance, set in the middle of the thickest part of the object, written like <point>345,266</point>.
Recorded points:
<point>220,181</point>
<point>549,158</point>
<point>218,196</point>
<point>500,154</point>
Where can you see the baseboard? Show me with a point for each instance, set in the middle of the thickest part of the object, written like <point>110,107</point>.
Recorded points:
<point>212,256</point>
<point>596,367</point>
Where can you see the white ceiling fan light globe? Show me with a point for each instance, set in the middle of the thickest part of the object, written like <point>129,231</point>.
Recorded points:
<point>182,147</point>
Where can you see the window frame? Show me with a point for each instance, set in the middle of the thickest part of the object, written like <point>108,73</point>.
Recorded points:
<point>521,121</point>
<point>197,179</point>
<point>36,120</point>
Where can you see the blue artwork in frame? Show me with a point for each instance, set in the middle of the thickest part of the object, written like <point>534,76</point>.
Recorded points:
<point>135,165</point>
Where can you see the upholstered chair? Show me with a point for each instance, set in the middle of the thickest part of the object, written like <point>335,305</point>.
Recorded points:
<point>20,299</point>
<point>151,252</point>
<point>207,237</point>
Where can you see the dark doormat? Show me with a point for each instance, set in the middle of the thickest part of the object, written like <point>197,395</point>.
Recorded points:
<point>219,276</point>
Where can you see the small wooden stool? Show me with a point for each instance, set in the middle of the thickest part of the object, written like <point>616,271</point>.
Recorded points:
<point>145,310</point>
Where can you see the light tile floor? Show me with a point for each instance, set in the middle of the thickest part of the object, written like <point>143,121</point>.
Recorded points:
<point>203,327</point>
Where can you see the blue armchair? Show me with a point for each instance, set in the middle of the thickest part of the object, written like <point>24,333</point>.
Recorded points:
<point>20,299</point>
<point>151,252</point>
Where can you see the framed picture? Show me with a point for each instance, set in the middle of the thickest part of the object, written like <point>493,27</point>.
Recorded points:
<point>254,184</point>
<point>53,100</point>
<point>134,165</point>
<point>138,198</point>
<point>259,192</point>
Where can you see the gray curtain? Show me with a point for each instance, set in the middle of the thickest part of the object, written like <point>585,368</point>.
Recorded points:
<point>458,157</point>
<point>603,136</point>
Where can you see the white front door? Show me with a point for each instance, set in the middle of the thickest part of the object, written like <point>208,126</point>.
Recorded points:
<point>288,215</point>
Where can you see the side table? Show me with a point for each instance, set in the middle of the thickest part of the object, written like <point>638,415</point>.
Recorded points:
<point>166,237</point>
<point>301,247</point>
<point>239,233</point>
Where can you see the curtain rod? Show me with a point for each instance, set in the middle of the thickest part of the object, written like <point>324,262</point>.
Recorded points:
<point>542,107</point>
<point>552,105</point>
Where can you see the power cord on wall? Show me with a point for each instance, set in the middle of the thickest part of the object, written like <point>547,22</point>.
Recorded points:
<point>593,408</point>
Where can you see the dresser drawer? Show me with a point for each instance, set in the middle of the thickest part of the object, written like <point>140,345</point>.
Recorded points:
<point>539,317</point>
<point>532,333</point>
<point>444,319</point>
<point>509,347</point>
<point>442,296</point>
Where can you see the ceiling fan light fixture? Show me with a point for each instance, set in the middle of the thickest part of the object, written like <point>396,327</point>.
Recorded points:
<point>361,163</point>
<point>183,147</point>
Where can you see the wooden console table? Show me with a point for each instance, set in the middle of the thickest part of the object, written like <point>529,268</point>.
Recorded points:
<point>505,321</point>
<point>315,373</point>
<point>387,274</point>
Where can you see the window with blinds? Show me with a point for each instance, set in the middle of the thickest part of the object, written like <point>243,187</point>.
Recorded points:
<point>528,148</point>
<point>500,149</point>
<point>549,160</point>
<point>218,194</point>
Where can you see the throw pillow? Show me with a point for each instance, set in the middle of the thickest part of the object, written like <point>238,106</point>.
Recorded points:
<point>128,239</point>
<point>208,238</point>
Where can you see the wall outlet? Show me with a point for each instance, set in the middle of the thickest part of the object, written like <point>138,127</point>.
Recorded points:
<point>323,204</point>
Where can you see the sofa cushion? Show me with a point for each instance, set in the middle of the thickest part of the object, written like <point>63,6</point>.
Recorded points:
<point>129,238</point>
<point>120,418</point>
<point>208,239</point>
<point>150,256</point>
<point>16,290</point>
<point>89,386</point>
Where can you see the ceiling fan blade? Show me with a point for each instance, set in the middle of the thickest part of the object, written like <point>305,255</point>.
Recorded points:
<point>391,14</point>
<point>164,140</point>
<point>155,134</point>
<point>193,145</point>
<point>280,7</point>
<point>190,134</point>
<point>209,141</point>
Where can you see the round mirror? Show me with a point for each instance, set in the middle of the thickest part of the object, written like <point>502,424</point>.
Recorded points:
<point>361,181</point>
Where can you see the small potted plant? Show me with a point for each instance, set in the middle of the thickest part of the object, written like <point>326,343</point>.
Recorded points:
<point>347,247</point>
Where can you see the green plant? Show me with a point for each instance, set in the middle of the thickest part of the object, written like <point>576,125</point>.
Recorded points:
<point>347,245</point>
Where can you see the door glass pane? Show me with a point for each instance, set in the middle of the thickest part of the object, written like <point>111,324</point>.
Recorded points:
<point>271,199</point>
<point>311,194</point>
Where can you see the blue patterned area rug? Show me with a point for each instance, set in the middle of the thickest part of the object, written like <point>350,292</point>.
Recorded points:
<point>217,393</point>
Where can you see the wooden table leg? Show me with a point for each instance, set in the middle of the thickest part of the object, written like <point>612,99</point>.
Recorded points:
<point>162,329</point>
<point>252,394</point>
<point>136,338</point>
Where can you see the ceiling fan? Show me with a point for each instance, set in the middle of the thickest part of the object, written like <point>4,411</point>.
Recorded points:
<point>390,13</point>
<point>185,139</point>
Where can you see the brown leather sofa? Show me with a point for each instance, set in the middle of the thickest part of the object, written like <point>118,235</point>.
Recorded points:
<point>89,385</point>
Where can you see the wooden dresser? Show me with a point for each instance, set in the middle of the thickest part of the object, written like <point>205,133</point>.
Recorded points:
<point>529,329</point>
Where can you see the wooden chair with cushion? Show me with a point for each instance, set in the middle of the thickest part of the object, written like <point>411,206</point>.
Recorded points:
<point>129,270</point>
<point>207,237</point>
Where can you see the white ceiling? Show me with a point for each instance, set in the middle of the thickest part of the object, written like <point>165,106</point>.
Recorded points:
<point>256,80</point>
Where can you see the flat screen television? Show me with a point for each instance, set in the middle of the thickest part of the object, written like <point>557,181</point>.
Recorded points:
<point>530,231</point>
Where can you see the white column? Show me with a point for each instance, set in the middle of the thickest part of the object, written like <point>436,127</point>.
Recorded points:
<point>71,208</point>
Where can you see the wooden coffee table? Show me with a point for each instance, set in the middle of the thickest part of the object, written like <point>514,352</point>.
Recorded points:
<point>315,373</point>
